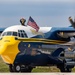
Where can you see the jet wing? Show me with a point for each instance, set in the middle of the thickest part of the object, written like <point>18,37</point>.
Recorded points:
<point>1,30</point>
<point>64,34</point>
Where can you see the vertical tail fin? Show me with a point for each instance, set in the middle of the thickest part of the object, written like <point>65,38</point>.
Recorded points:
<point>72,22</point>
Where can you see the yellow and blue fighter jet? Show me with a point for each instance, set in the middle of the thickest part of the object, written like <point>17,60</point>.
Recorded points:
<point>22,48</point>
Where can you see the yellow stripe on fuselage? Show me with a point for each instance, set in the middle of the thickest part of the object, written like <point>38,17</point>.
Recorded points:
<point>41,40</point>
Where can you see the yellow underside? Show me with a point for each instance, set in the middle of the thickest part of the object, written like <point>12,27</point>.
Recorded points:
<point>9,59</point>
<point>9,49</point>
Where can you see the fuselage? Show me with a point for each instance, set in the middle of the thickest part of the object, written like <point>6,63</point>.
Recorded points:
<point>19,42</point>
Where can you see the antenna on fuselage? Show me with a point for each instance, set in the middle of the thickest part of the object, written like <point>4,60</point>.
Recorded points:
<point>22,21</point>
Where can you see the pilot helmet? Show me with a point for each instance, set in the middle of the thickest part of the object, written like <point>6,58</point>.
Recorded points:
<point>22,21</point>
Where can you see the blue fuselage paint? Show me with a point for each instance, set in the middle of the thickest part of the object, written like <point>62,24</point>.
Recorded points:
<point>25,56</point>
<point>36,60</point>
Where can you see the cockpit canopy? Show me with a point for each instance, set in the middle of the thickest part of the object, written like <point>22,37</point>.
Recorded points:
<point>25,31</point>
<point>20,33</point>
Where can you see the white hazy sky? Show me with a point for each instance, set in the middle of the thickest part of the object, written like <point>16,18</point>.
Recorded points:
<point>45,12</point>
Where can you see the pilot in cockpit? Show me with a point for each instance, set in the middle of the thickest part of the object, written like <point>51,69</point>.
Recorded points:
<point>22,21</point>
